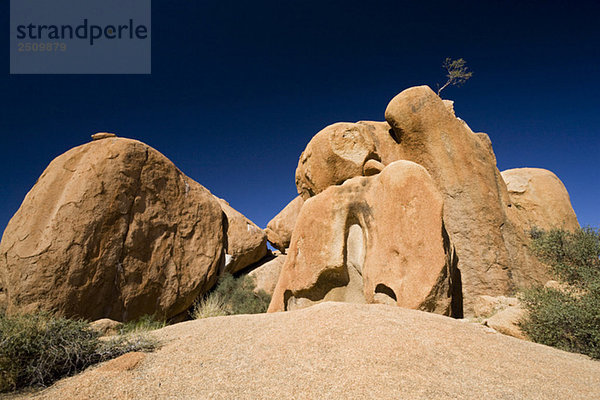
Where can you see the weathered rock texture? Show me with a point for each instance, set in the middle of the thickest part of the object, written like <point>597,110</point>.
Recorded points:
<point>267,274</point>
<point>342,151</point>
<point>279,229</point>
<point>336,351</point>
<point>245,243</point>
<point>112,229</point>
<point>501,313</point>
<point>372,239</point>
<point>507,321</point>
<point>540,198</point>
<point>486,306</point>
<point>479,216</point>
<point>3,301</point>
<point>494,259</point>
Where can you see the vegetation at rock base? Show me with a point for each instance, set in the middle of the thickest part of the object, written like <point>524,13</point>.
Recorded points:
<point>232,296</point>
<point>37,349</point>
<point>567,317</point>
<point>143,324</point>
<point>457,73</point>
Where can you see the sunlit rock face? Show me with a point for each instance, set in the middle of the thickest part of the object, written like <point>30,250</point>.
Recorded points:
<point>479,215</point>
<point>539,199</point>
<point>112,229</point>
<point>377,239</point>
<point>279,229</point>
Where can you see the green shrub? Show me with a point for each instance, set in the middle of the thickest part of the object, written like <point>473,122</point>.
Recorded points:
<point>232,296</point>
<point>573,256</point>
<point>37,349</point>
<point>567,318</point>
<point>143,324</point>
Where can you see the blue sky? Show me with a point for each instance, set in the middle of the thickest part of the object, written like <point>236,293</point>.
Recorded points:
<point>238,89</point>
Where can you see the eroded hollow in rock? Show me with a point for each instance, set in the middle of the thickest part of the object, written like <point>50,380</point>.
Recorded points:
<point>386,290</point>
<point>355,248</point>
<point>384,295</point>
<point>337,284</point>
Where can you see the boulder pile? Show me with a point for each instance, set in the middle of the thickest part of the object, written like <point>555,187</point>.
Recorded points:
<point>485,221</point>
<point>411,211</point>
<point>112,229</point>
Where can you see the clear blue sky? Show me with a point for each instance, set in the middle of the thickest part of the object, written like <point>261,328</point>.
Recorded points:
<point>238,89</point>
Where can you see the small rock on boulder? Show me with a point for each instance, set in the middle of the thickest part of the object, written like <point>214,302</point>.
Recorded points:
<point>103,135</point>
<point>486,306</point>
<point>507,321</point>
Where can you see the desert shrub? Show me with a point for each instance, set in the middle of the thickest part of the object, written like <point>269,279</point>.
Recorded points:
<point>567,318</point>
<point>37,349</point>
<point>143,324</point>
<point>118,345</point>
<point>573,256</point>
<point>232,296</point>
<point>210,306</point>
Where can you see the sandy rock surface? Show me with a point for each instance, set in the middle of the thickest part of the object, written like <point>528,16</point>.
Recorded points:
<point>337,351</point>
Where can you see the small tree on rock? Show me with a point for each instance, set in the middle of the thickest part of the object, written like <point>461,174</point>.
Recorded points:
<point>458,73</point>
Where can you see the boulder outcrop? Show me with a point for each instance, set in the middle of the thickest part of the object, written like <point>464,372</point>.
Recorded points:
<point>540,199</point>
<point>501,313</point>
<point>372,239</point>
<point>112,229</point>
<point>279,229</point>
<point>494,258</point>
<point>245,242</point>
<point>479,215</point>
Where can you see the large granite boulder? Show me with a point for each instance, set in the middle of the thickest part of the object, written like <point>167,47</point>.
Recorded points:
<point>377,239</point>
<point>279,229</point>
<point>112,229</point>
<point>540,199</point>
<point>487,229</point>
<point>494,258</point>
